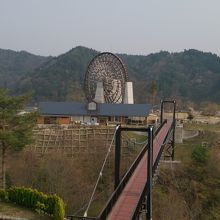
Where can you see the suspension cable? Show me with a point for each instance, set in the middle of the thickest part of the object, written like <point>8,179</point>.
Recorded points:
<point>127,137</point>
<point>100,173</point>
<point>85,204</point>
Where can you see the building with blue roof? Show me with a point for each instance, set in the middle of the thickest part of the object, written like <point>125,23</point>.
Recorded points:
<point>92,113</point>
<point>109,98</point>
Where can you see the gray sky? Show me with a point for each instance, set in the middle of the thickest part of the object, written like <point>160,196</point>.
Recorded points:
<point>52,27</point>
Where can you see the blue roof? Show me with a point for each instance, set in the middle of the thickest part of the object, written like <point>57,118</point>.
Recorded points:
<point>103,109</point>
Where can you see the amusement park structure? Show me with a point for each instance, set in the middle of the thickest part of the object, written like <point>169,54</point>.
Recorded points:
<point>106,80</point>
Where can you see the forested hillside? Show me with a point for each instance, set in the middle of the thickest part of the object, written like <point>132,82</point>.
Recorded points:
<point>14,65</point>
<point>61,78</point>
<point>189,75</point>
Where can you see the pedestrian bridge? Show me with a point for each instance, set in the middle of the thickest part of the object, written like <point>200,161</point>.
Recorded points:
<point>134,191</point>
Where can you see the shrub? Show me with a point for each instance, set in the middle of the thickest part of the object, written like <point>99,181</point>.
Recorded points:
<point>59,211</point>
<point>41,203</point>
<point>3,195</point>
<point>200,155</point>
<point>40,208</point>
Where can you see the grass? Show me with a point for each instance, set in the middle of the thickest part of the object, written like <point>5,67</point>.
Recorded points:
<point>188,190</point>
<point>129,153</point>
<point>208,133</point>
<point>203,127</point>
<point>12,210</point>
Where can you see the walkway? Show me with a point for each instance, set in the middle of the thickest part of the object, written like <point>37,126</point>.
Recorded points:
<point>126,203</point>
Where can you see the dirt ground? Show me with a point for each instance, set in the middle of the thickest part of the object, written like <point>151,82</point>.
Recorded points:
<point>11,210</point>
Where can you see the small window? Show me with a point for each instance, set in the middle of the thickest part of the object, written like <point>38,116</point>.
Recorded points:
<point>117,118</point>
<point>50,120</point>
<point>92,106</point>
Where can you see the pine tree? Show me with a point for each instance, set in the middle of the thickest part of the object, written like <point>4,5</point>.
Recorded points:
<point>153,92</point>
<point>15,128</point>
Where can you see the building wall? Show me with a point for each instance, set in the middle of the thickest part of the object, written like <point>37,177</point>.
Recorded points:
<point>87,119</point>
<point>129,99</point>
<point>102,120</point>
<point>84,119</point>
<point>77,118</point>
<point>179,115</point>
<point>135,120</point>
<point>91,120</point>
<point>64,120</point>
<point>152,119</point>
<point>40,120</point>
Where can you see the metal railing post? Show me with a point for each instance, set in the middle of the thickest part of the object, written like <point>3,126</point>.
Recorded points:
<point>174,127</point>
<point>161,111</point>
<point>149,173</point>
<point>117,156</point>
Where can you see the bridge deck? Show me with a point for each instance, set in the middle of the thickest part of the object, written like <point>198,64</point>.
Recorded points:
<point>126,203</point>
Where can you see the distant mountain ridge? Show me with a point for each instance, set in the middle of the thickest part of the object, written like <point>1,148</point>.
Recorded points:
<point>189,75</point>
<point>15,64</point>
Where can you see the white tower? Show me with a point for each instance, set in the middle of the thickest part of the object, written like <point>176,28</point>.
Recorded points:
<point>129,99</point>
<point>99,93</point>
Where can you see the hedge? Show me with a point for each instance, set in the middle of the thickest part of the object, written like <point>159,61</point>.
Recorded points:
<point>3,195</point>
<point>38,201</point>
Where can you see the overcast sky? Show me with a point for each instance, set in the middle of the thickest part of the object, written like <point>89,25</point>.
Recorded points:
<point>52,27</point>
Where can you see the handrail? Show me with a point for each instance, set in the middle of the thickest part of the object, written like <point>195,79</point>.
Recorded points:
<point>75,217</point>
<point>144,191</point>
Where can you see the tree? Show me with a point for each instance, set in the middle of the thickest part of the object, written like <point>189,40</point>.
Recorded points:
<point>210,109</point>
<point>153,91</point>
<point>190,116</point>
<point>15,128</point>
<point>200,155</point>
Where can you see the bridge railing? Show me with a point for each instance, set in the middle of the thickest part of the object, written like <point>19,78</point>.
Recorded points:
<point>145,191</point>
<point>115,195</point>
<point>75,217</point>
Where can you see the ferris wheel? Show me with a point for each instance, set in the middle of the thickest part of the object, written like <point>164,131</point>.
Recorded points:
<point>108,69</point>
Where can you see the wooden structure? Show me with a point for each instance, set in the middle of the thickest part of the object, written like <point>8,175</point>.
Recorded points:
<point>77,140</point>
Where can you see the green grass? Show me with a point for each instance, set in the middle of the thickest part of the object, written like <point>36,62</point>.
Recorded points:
<point>189,190</point>
<point>8,209</point>
<point>208,133</point>
<point>203,127</point>
<point>183,151</point>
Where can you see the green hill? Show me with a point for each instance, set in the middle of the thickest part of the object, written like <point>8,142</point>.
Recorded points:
<point>61,78</point>
<point>189,75</point>
<point>13,65</point>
